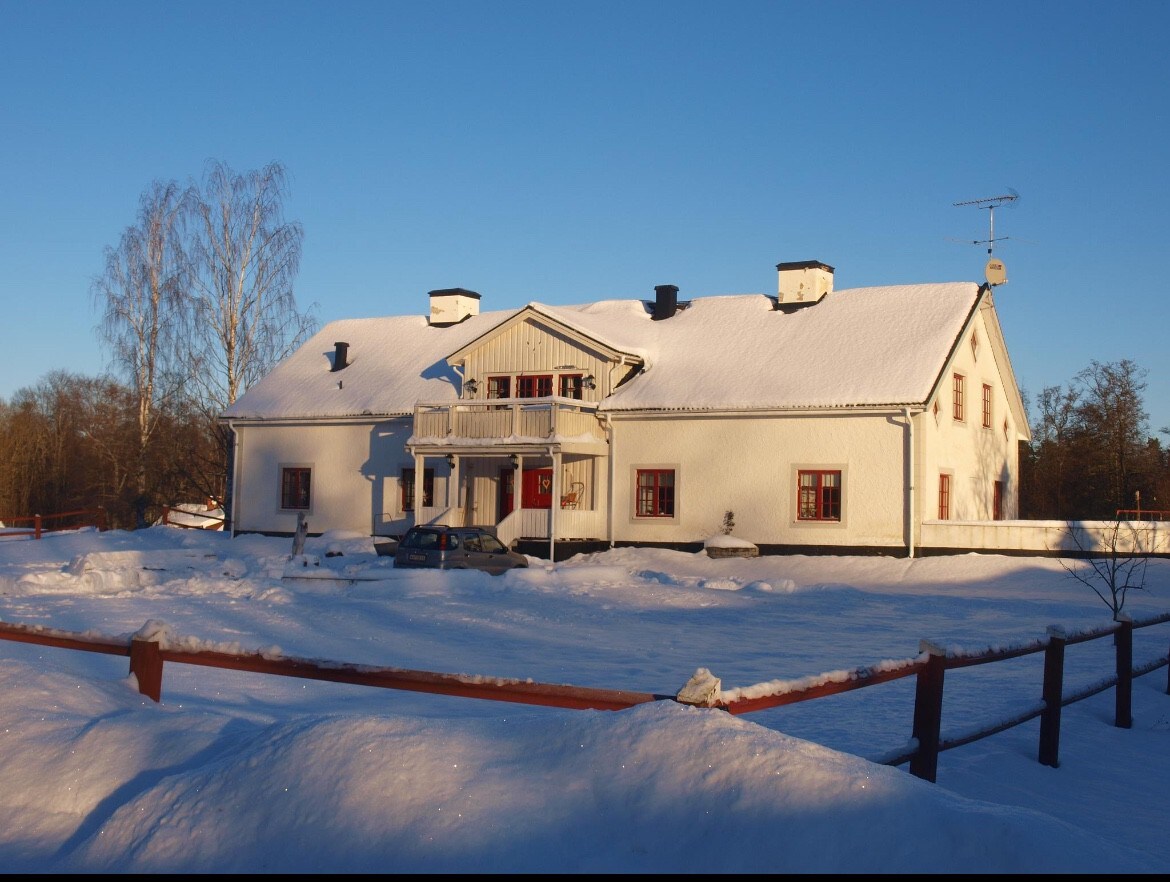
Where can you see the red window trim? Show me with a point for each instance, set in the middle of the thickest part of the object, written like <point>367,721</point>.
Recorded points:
<point>957,393</point>
<point>499,386</point>
<point>986,406</point>
<point>944,497</point>
<point>997,500</point>
<point>296,484</point>
<point>821,499</point>
<point>529,385</point>
<point>657,500</point>
<point>573,390</point>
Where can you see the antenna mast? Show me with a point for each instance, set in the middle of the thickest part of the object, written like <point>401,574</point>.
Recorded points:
<point>995,271</point>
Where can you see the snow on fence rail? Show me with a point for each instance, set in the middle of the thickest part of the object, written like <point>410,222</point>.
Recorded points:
<point>149,649</point>
<point>90,517</point>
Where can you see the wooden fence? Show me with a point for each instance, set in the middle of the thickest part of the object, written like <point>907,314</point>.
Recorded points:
<point>148,656</point>
<point>38,525</point>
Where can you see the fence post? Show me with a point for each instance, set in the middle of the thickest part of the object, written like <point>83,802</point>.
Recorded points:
<point>146,664</point>
<point>1053,697</point>
<point>928,695</point>
<point>37,526</point>
<point>1123,719</point>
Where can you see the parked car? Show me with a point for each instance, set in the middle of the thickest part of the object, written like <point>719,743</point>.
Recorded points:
<point>456,548</point>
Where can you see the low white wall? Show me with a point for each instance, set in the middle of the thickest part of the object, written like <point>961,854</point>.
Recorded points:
<point>1073,537</point>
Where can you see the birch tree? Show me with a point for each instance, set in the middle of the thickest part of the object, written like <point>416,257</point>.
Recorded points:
<point>246,257</point>
<point>143,299</point>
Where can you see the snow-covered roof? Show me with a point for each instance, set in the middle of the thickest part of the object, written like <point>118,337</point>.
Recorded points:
<point>859,347</point>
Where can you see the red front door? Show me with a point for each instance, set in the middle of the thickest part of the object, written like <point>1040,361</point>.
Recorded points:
<point>537,488</point>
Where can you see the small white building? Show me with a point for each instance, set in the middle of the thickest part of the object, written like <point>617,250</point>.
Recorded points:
<point>825,420</point>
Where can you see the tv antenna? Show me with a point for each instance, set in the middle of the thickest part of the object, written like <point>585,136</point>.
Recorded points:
<point>995,271</point>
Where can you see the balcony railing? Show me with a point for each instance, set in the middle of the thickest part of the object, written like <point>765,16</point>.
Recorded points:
<point>507,418</point>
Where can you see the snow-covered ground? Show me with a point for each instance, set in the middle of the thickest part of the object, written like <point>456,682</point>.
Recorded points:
<point>253,773</point>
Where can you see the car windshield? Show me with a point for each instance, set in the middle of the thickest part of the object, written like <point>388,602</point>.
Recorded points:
<point>492,544</point>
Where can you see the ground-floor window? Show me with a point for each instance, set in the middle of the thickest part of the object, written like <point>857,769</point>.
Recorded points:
<point>997,501</point>
<point>944,497</point>
<point>407,484</point>
<point>655,493</point>
<point>819,495</point>
<point>294,487</point>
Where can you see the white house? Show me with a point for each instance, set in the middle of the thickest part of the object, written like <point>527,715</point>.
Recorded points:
<point>825,420</point>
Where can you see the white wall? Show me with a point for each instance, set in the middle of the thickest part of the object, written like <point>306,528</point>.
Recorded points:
<point>354,483</point>
<point>973,455</point>
<point>749,465</point>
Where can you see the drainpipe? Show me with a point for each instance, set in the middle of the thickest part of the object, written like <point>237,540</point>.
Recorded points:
<point>235,479</point>
<point>910,485</point>
<point>609,490</point>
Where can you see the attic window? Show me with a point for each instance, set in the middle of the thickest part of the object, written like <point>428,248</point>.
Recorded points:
<point>974,344</point>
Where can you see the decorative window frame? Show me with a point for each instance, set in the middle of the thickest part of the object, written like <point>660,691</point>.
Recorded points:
<point>794,495</point>
<point>283,472</point>
<point>635,470</point>
<point>946,495</point>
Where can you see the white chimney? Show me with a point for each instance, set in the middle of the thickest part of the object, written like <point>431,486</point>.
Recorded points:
<point>805,281</point>
<point>449,306</point>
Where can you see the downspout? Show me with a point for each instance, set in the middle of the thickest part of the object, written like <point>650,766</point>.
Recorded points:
<point>609,490</point>
<point>235,477</point>
<point>910,485</point>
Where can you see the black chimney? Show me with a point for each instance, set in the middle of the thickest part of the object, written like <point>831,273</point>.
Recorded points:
<point>665,301</point>
<point>340,355</point>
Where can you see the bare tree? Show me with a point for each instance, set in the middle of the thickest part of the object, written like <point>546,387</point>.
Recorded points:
<point>142,295</point>
<point>246,257</point>
<point>1116,566</point>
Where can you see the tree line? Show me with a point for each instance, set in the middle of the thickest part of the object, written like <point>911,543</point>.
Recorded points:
<point>1091,453</point>
<point>196,302</point>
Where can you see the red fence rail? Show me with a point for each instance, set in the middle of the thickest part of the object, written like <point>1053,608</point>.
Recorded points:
<point>147,657</point>
<point>41,524</point>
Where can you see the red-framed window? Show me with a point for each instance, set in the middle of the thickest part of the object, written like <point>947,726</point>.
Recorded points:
<point>534,386</point>
<point>571,385</point>
<point>655,493</point>
<point>407,484</point>
<point>957,391</point>
<point>997,501</point>
<point>944,497</point>
<point>819,495</point>
<point>294,487</point>
<point>499,387</point>
<point>986,406</point>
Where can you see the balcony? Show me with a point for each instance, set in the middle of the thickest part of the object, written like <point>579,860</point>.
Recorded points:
<point>477,423</point>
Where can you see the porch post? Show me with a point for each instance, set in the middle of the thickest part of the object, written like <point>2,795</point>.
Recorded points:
<point>556,504</point>
<point>419,465</point>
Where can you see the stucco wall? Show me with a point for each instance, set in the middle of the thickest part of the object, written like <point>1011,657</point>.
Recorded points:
<point>749,466</point>
<point>974,455</point>
<point>355,476</point>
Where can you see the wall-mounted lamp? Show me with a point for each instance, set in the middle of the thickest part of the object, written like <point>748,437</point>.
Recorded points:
<point>589,382</point>
<point>471,387</point>
<point>515,459</point>
<point>451,460</point>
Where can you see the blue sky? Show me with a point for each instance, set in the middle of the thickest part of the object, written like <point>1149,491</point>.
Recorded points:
<point>567,152</point>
